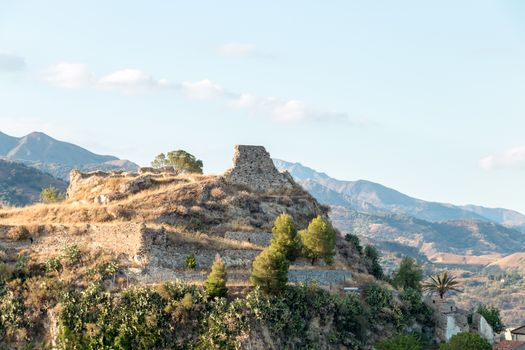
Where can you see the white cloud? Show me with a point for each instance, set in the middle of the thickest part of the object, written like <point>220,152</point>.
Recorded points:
<point>237,50</point>
<point>511,158</point>
<point>69,75</point>
<point>131,80</point>
<point>202,90</point>
<point>11,63</point>
<point>287,111</point>
<point>74,75</point>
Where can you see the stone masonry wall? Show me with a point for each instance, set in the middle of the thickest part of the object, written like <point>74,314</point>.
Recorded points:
<point>258,238</point>
<point>253,167</point>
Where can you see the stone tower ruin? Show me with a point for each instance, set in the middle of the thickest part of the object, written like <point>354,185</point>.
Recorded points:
<point>253,167</point>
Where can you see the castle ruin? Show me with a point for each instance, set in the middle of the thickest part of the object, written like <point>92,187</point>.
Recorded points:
<point>253,167</point>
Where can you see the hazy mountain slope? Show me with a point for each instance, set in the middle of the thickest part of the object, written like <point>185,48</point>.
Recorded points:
<point>464,237</point>
<point>57,157</point>
<point>21,185</point>
<point>7,143</point>
<point>38,146</point>
<point>373,198</point>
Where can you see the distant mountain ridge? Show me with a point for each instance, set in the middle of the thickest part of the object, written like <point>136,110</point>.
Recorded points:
<point>56,157</point>
<point>401,224</point>
<point>372,198</point>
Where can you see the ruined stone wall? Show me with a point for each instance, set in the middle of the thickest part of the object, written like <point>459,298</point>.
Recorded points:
<point>253,167</point>
<point>258,238</point>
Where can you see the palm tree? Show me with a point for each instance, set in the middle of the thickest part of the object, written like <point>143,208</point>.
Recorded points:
<point>441,284</point>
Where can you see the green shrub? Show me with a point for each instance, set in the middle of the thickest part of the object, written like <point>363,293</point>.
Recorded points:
<point>354,239</point>
<point>53,264</point>
<point>191,262</point>
<point>466,341</point>
<point>215,285</point>
<point>491,314</point>
<point>372,256</point>
<point>51,195</point>
<point>71,254</point>
<point>378,297</point>
<point>400,342</point>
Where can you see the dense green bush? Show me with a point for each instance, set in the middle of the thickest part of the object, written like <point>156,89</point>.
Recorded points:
<point>409,274</point>
<point>491,314</point>
<point>400,342</point>
<point>191,261</point>
<point>51,195</point>
<point>372,256</point>
<point>466,341</point>
<point>378,297</point>
<point>354,239</point>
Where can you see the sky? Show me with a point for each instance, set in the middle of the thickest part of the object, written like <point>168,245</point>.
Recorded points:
<point>424,97</point>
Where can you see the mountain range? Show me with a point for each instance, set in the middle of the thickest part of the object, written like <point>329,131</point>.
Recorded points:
<point>385,215</point>
<point>56,157</point>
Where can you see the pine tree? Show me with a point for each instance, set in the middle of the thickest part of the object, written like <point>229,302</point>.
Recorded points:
<point>270,271</point>
<point>285,239</point>
<point>215,285</point>
<point>318,240</point>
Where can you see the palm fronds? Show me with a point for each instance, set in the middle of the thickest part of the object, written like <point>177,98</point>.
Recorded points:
<point>441,284</point>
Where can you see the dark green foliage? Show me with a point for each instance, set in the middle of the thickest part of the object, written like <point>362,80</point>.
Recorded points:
<point>378,297</point>
<point>180,160</point>
<point>191,261</point>
<point>409,275</point>
<point>285,239</point>
<point>354,239</point>
<point>400,342</point>
<point>318,240</point>
<point>215,285</point>
<point>375,268</point>
<point>416,307</point>
<point>466,341</point>
<point>491,314</point>
<point>51,195</point>
<point>270,271</point>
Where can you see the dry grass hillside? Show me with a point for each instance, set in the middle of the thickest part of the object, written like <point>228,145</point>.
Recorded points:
<point>153,220</point>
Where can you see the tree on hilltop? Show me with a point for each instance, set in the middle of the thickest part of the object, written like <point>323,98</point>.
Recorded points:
<point>270,271</point>
<point>51,195</point>
<point>318,240</point>
<point>180,160</point>
<point>285,239</point>
<point>215,285</point>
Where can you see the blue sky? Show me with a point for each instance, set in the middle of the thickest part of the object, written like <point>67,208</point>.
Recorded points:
<point>424,97</point>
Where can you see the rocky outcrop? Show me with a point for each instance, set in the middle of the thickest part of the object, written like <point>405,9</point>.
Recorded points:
<point>253,167</point>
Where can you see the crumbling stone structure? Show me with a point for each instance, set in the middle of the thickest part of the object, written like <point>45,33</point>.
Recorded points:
<point>253,167</point>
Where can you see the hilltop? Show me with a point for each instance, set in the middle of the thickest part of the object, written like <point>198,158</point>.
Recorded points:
<point>56,157</point>
<point>131,232</point>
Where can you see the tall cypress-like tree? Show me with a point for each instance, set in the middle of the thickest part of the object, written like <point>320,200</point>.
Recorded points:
<point>215,285</point>
<point>285,239</point>
<point>318,240</point>
<point>270,271</point>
